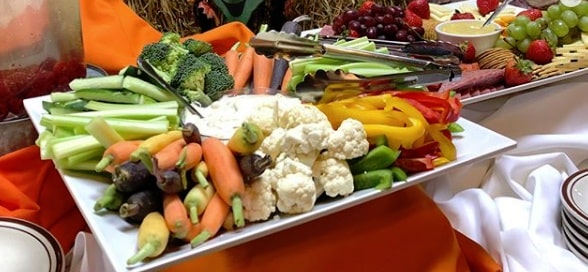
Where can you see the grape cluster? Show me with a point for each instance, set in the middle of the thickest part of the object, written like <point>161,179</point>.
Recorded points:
<point>377,22</point>
<point>559,25</point>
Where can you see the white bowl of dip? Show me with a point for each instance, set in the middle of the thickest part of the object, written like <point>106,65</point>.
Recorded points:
<point>471,30</point>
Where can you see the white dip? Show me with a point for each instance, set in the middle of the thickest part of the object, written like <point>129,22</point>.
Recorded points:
<point>222,117</point>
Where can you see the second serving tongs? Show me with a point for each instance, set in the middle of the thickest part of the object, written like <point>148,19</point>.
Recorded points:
<point>285,45</point>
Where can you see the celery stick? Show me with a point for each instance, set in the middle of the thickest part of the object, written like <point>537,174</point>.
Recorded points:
<point>145,88</point>
<point>98,105</point>
<point>138,114</point>
<point>103,132</point>
<point>103,82</point>
<point>370,69</point>
<point>115,96</point>
<point>64,149</point>
<point>61,132</point>
<point>88,165</point>
<point>120,125</point>
<point>62,96</point>
<point>90,154</point>
<point>42,142</point>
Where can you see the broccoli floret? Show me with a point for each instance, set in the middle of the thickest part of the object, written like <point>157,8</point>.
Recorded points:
<point>170,38</point>
<point>198,97</point>
<point>197,47</point>
<point>165,57</point>
<point>216,62</point>
<point>191,73</point>
<point>216,83</point>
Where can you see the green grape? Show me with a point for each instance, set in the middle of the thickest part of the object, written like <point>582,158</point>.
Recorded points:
<point>510,40</point>
<point>521,20</point>
<point>559,27</point>
<point>583,23</point>
<point>502,43</point>
<point>543,22</point>
<point>581,9</point>
<point>517,32</point>
<point>533,29</point>
<point>570,18</point>
<point>553,12</point>
<point>524,45</point>
<point>570,37</point>
<point>548,35</point>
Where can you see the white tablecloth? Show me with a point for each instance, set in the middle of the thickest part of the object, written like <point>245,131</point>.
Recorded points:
<point>509,205</point>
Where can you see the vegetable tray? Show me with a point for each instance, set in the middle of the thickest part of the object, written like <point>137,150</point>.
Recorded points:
<point>118,238</point>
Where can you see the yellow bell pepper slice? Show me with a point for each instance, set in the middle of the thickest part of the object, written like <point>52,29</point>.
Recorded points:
<point>397,136</point>
<point>337,112</point>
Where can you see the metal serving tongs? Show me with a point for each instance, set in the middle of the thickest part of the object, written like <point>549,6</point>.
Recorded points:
<point>146,67</point>
<point>284,45</point>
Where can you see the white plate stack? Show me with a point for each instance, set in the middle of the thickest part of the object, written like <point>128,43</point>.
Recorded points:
<point>574,213</point>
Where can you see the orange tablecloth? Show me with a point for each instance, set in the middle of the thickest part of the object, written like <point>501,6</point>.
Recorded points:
<point>404,231</point>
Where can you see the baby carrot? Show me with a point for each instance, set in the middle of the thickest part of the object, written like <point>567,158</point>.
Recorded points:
<point>116,154</point>
<point>284,87</point>
<point>244,68</point>
<point>169,155</point>
<point>212,221</point>
<point>262,73</point>
<point>190,156</point>
<point>232,58</point>
<point>152,238</point>
<point>196,201</point>
<point>153,144</point>
<point>225,174</point>
<point>176,215</point>
<point>148,148</point>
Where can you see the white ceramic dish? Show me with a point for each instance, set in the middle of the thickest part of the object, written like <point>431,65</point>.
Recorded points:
<point>25,246</point>
<point>481,42</point>
<point>581,240</point>
<point>118,239</point>
<point>578,227</point>
<point>574,196</point>
<point>574,246</point>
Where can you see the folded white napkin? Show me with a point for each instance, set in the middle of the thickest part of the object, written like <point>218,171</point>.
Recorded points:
<point>87,256</point>
<point>511,204</point>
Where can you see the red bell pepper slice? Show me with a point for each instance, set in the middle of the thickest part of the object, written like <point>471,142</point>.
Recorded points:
<point>414,165</point>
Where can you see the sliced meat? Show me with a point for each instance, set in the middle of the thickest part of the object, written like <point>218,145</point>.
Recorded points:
<point>475,80</point>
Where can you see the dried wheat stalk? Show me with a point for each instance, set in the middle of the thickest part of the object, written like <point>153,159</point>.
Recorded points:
<point>167,15</point>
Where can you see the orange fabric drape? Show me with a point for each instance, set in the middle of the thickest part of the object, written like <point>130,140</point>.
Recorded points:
<point>404,231</point>
<point>114,35</point>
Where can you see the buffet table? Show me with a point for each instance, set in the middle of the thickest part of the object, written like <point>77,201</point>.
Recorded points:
<point>496,215</point>
<point>509,205</point>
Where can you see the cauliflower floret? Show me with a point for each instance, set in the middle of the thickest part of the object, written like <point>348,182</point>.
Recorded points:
<point>296,193</point>
<point>273,143</point>
<point>306,141</point>
<point>302,114</point>
<point>348,141</point>
<point>268,112</point>
<point>259,201</point>
<point>333,175</point>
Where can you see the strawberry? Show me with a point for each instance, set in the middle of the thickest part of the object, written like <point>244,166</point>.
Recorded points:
<point>517,72</point>
<point>420,8</point>
<point>539,52</point>
<point>366,5</point>
<point>461,15</point>
<point>469,52</point>
<point>532,13</point>
<point>486,6</point>
<point>412,19</point>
